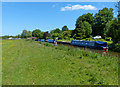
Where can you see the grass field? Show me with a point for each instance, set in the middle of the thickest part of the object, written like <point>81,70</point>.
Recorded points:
<point>31,63</point>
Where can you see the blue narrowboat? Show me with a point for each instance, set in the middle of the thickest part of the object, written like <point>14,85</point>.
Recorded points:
<point>90,44</point>
<point>41,40</point>
<point>50,40</point>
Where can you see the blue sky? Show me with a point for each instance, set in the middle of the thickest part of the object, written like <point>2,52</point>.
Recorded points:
<point>45,16</point>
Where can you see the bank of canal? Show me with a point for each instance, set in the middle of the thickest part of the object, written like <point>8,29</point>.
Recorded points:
<point>110,53</point>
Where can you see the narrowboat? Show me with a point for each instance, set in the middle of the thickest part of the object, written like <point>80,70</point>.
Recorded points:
<point>41,40</point>
<point>89,44</point>
<point>50,41</point>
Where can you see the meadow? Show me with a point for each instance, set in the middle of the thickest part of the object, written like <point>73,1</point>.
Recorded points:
<point>26,62</point>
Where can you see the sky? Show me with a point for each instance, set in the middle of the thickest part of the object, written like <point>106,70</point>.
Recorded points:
<point>46,16</point>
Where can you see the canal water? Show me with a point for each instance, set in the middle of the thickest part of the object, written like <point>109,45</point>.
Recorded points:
<point>110,53</point>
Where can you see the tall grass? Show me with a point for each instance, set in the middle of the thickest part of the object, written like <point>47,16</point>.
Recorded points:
<point>35,63</point>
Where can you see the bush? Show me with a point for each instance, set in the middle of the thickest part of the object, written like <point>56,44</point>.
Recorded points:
<point>116,47</point>
<point>40,42</point>
<point>78,38</point>
<point>48,44</point>
<point>108,38</point>
<point>71,38</point>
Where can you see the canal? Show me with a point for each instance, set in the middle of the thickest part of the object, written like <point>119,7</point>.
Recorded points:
<point>110,53</point>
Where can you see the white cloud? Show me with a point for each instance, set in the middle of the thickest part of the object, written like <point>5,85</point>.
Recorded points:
<point>77,7</point>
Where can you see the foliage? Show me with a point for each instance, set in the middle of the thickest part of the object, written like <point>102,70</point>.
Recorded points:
<point>114,31</point>
<point>24,34</point>
<point>19,36</point>
<point>67,34</point>
<point>7,36</point>
<point>29,34</point>
<point>65,28</point>
<point>107,27</point>
<point>82,30</point>
<point>108,38</point>
<point>37,33</point>
<point>116,47</point>
<point>86,17</point>
<point>101,18</point>
<point>57,33</point>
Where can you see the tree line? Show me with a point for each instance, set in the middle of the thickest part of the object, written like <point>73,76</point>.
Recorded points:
<point>87,25</point>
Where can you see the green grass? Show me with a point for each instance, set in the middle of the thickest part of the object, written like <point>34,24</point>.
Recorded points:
<point>34,63</point>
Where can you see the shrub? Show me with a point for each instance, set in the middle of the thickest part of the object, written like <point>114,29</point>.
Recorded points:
<point>40,42</point>
<point>108,38</point>
<point>78,38</point>
<point>46,44</point>
<point>116,47</point>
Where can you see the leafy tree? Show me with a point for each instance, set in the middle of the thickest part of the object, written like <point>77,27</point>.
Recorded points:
<point>101,18</point>
<point>24,34</point>
<point>84,29</point>
<point>107,27</point>
<point>64,28</point>
<point>57,30</point>
<point>57,33</point>
<point>19,36</point>
<point>37,33</point>
<point>86,17</point>
<point>29,34</point>
<point>6,36</point>
<point>41,36</point>
<point>114,30</point>
<point>67,34</point>
<point>117,5</point>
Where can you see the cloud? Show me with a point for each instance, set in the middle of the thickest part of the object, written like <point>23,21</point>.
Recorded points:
<point>77,7</point>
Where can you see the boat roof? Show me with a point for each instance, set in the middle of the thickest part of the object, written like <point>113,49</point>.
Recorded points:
<point>83,41</point>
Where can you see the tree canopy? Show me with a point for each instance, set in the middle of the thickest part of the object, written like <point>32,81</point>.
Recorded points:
<point>86,17</point>
<point>101,18</point>
<point>84,29</point>
<point>65,28</point>
<point>24,34</point>
<point>114,30</point>
<point>37,33</point>
<point>56,33</point>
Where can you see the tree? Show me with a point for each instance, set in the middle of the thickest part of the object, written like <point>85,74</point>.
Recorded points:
<point>114,30</point>
<point>41,36</point>
<point>84,29</point>
<point>67,34</point>
<point>86,17</point>
<point>56,33</point>
<point>37,33</point>
<point>101,18</point>
<point>29,34</point>
<point>57,30</point>
<point>118,7</point>
<point>107,27</point>
<point>64,28</point>
<point>24,34</point>
<point>19,36</point>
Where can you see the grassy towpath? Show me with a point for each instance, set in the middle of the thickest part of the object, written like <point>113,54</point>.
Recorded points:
<point>30,63</point>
